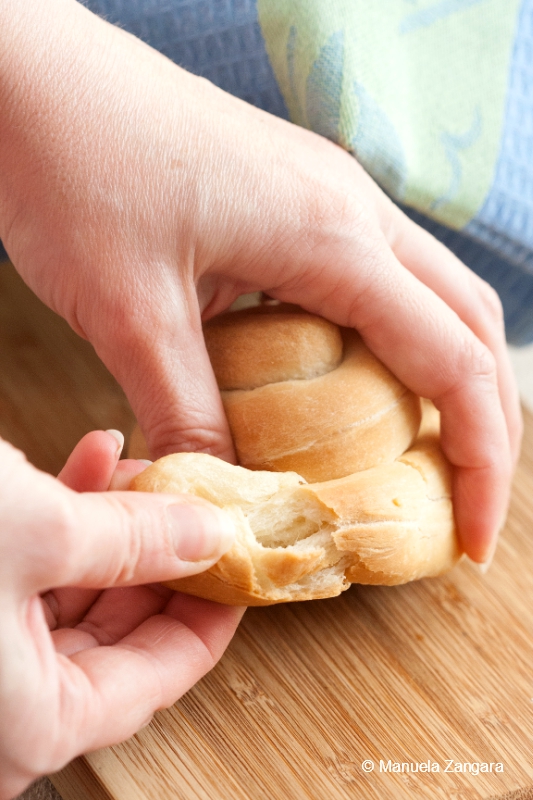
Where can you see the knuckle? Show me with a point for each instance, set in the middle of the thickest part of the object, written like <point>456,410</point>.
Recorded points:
<point>166,439</point>
<point>333,215</point>
<point>133,553</point>
<point>57,552</point>
<point>491,303</point>
<point>130,533</point>
<point>393,222</point>
<point>473,368</point>
<point>341,231</point>
<point>479,362</point>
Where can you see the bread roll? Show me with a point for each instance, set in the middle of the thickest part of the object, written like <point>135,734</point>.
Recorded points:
<point>302,395</point>
<point>341,501</point>
<point>298,541</point>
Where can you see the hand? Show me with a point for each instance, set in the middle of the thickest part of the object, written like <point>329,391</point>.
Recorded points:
<point>82,665</point>
<point>137,199</point>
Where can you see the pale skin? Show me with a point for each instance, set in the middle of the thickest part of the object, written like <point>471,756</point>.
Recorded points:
<point>137,200</point>
<point>83,665</point>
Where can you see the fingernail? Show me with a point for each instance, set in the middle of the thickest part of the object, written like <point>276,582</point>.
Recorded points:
<point>485,565</point>
<point>201,533</point>
<point>119,438</point>
<point>144,461</point>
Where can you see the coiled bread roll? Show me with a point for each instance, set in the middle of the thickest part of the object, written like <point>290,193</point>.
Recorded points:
<point>301,394</point>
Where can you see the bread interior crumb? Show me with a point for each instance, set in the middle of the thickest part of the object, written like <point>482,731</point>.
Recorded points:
<point>288,517</point>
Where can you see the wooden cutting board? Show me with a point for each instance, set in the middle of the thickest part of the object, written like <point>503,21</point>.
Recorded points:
<point>438,671</point>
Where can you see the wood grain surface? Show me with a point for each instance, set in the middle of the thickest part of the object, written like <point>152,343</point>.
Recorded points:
<point>438,670</point>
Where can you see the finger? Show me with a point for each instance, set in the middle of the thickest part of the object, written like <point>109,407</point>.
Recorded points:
<point>475,302</point>
<point>168,378</point>
<point>423,341</point>
<point>60,538</point>
<point>66,607</point>
<point>125,472</point>
<point>129,538</point>
<point>149,669</point>
<point>91,464</point>
<point>196,614</point>
<point>115,614</point>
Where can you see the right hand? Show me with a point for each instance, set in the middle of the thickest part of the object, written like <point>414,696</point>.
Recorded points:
<point>136,199</point>
<point>90,645</point>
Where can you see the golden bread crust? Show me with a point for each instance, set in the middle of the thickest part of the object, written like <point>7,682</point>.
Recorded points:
<point>351,418</point>
<point>386,525</point>
<point>319,403</point>
<point>268,344</point>
<point>378,507</point>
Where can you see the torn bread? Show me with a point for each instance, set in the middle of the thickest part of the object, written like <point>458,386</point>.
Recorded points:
<point>296,541</point>
<point>337,487</point>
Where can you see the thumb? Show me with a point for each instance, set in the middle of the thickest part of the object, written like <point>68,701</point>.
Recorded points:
<point>58,537</point>
<point>169,381</point>
<point>130,538</point>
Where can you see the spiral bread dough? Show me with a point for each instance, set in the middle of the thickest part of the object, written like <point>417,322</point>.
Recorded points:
<point>302,395</point>
<point>334,485</point>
